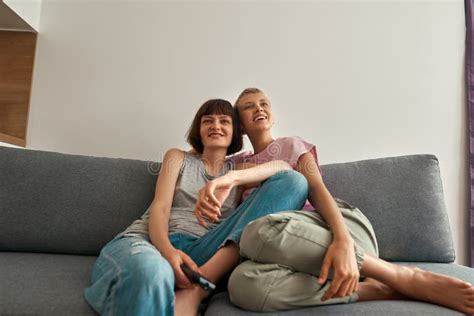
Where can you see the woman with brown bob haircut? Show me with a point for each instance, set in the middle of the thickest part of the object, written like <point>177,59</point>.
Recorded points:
<point>216,106</point>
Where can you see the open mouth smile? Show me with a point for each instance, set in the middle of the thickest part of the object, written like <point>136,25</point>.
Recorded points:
<point>215,135</point>
<point>260,118</point>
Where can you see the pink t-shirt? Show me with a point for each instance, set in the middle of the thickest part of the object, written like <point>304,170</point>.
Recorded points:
<point>288,149</point>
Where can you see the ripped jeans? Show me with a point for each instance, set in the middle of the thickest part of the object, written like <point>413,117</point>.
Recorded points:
<point>131,277</point>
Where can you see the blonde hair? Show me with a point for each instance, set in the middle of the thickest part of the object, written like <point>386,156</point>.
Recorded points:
<point>244,93</point>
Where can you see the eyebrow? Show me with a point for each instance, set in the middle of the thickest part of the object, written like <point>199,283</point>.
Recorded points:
<point>250,102</point>
<point>212,116</point>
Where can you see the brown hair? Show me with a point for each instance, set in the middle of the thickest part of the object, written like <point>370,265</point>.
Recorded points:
<point>215,106</point>
<point>245,92</point>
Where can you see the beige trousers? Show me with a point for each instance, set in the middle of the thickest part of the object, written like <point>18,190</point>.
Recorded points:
<point>285,252</point>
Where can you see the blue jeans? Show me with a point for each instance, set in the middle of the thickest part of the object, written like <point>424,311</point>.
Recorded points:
<point>130,277</point>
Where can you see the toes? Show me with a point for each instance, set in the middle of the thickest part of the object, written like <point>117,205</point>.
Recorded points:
<point>468,292</point>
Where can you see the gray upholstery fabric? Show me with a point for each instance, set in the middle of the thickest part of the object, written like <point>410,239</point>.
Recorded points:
<point>70,204</point>
<point>44,284</point>
<point>220,305</point>
<point>57,203</point>
<point>403,199</point>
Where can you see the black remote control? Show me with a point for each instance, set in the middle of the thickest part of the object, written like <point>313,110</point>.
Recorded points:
<point>197,278</point>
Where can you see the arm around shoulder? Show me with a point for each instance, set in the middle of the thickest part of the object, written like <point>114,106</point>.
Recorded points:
<point>250,174</point>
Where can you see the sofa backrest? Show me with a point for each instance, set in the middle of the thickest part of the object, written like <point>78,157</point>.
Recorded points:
<point>58,203</point>
<point>403,198</point>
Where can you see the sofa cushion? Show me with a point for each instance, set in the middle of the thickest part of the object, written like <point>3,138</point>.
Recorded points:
<point>403,199</point>
<point>44,284</point>
<point>220,304</point>
<point>58,203</point>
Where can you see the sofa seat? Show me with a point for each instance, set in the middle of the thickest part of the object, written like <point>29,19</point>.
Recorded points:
<point>44,284</point>
<point>57,211</point>
<point>220,304</point>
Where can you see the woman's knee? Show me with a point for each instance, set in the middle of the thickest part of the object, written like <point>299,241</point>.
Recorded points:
<point>151,272</point>
<point>287,238</point>
<point>292,183</point>
<point>249,285</point>
<point>294,179</point>
<point>135,281</point>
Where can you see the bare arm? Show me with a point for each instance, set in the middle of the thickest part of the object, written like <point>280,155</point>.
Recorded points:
<point>212,195</point>
<point>160,214</point>
<point>250,175</point>
<point>340,254</point>
<point>161,205</point>
<point>321,198</point>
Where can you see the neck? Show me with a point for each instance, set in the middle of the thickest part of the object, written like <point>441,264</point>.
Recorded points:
<point>214,160</point>
<point>261,141</point>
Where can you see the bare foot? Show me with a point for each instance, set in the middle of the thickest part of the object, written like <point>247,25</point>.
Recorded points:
<point>371,289</point>
<point>187,301</point>
<point>436,288</point>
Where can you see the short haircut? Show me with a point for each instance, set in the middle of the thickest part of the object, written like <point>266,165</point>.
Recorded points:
<point>215,106</point>
<point>244,93</point>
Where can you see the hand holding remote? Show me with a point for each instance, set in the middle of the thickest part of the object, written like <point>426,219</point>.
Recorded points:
<point>198,278</point>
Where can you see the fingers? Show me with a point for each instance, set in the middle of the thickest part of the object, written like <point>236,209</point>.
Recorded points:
<point>211,211</point>
<point>353,286</point>
<point>210,215</point>
<point>323,275</point>
<point>352,283</point>
<point>199,217</point>
<point>204,203</point>
<point>182,280</point>
<point>341,287</point>
<point>345,287</point>
<point>333,289</point>
<point>200,212</point>
<point>190,263</point>
<point>349,289</point>
<point>209,193</point>
<point>206,194</point>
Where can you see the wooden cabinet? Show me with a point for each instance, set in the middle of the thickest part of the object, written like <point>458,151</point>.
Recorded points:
<point>17,52</point>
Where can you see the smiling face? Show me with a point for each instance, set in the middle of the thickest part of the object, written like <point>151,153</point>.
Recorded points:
<point>219,116</point>
<point>255,113</point>
<point>216,131</point>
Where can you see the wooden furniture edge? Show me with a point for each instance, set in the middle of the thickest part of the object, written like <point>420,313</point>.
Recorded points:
<point>4,138</point>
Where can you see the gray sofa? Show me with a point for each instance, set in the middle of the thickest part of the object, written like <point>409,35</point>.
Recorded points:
<point>57,211</point>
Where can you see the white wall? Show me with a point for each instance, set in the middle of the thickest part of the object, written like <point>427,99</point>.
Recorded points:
<point>28,10</point>
<point>359,79</point>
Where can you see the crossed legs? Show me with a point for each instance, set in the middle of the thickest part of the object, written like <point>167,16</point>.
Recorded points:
<point>217,252</point>
<point>286,252</point>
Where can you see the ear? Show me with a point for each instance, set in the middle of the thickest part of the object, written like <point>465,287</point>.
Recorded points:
<point>242,130</point>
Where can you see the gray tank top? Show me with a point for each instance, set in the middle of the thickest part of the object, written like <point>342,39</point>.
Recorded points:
<point>192,177</point>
